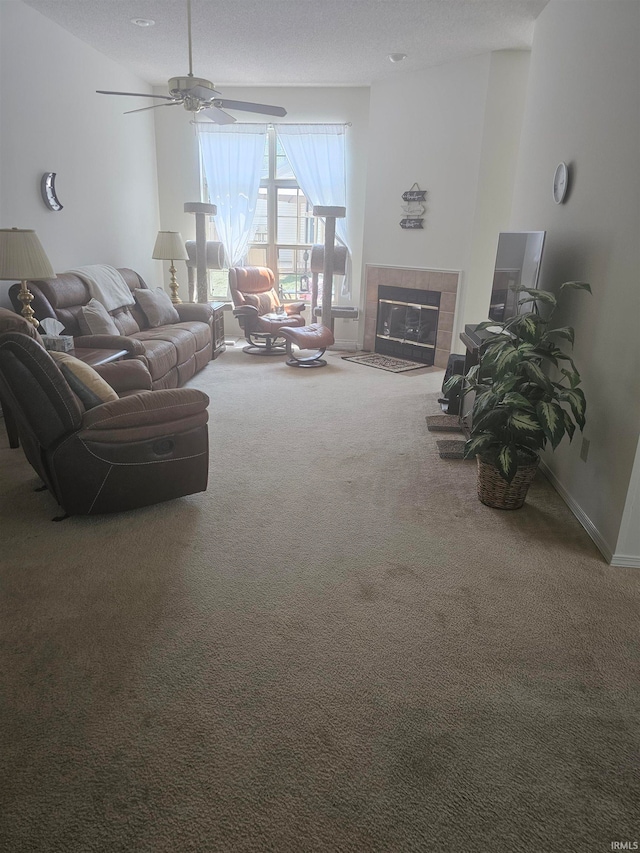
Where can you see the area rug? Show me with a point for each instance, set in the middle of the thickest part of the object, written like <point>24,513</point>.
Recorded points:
<point>384,362</point>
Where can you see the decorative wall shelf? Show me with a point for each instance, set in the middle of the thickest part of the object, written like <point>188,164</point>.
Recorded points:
<point>413,208</point>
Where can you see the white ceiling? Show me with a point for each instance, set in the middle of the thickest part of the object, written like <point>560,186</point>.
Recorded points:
<point>294,42</point>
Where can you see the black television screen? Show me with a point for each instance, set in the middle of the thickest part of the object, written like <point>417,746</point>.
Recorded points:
<point>518,259</point>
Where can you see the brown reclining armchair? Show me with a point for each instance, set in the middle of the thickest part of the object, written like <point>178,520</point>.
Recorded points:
<point>126,377</point>
<point>256,303</point>
<point>127,453</point>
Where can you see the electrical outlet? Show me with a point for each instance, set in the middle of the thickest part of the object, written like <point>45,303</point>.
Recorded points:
<point>584,449</point>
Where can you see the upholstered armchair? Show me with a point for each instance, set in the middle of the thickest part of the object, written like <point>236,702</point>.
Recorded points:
<point>118,455</point>
<point>259,310</point>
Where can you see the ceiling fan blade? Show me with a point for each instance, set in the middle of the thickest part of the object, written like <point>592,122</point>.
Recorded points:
<point>266,109</point>
<point>203,93</point>
<point>134,94</point>
<point>153,107</point>
<point>217,115</point>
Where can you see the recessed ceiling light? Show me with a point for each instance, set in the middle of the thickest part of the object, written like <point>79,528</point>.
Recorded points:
<point>397,57</point>
<point>142,22</point>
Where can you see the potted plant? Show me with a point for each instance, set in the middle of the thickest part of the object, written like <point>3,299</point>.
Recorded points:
<point>527,394</point>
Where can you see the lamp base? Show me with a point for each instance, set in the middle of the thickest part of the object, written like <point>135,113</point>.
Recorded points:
<point>26,297</point>
<point>173,284</point>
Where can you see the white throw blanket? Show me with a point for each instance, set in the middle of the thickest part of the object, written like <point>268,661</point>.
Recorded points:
<point>106,285</point>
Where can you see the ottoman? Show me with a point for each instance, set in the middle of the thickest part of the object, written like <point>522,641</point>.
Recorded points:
<point>314,337</point>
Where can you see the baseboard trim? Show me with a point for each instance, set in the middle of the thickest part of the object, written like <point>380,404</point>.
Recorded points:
<point>346,345</point>
<point>579,513</point>
<point>625,561</point>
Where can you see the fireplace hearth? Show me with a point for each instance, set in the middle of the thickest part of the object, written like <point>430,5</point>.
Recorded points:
<point>407,323</point>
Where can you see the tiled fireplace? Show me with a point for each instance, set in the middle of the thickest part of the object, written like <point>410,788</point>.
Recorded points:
<point>444,283</point>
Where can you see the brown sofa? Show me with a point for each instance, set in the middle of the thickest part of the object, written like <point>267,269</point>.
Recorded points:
<point>173,353</point>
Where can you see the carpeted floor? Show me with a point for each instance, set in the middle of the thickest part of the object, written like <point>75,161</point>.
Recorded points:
<point>452,449</point>
<point>444,423</point>
<point>335,648</point>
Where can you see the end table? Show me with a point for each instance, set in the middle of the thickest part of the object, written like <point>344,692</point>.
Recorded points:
<point>218,329</point>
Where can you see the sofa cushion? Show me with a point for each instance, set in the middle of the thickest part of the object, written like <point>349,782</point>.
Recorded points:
<point>182,339</point>
<point>157,306</point>
<point>125,322</point>
<point>200,331</point>
<point>90,388</point>
<point>160,355</point>
<point>64,291</point>
<point>94,319</point>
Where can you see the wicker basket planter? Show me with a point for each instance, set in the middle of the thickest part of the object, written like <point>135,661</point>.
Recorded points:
<point>497,493</point>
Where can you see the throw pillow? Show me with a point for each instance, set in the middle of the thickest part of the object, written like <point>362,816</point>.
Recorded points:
<point>158,308</point>
<point>84,381</point>
<point>264,302</point>
<point>94,319</point>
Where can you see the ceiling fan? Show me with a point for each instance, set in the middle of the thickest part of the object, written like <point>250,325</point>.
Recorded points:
<point>199,96</point>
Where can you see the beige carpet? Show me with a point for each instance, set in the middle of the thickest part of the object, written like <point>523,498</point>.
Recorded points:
<point>336,648</point>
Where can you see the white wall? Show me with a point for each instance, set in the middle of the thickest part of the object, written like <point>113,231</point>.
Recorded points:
<point>583,107</point>
<point>425,128</point>
<point>51,120</point>
<point>454,130</point>
<point>504,110</point>
<point>178,164</point>
<point>628,546</point>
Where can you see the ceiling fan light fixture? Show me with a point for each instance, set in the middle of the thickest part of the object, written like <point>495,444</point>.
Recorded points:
<point>197,95</point>
<point>397,57</point>
<point>197,86</point>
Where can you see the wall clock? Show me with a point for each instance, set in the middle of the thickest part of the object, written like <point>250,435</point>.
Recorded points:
<point>48,190</point>
<point>560,183</point>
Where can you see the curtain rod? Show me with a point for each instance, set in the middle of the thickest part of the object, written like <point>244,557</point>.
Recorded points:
<point>285,123</point>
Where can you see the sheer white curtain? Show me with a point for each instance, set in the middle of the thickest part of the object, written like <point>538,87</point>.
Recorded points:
<point>316,153</point>
<point>232,157</point>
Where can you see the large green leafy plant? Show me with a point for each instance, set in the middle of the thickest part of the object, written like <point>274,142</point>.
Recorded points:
<point>527,388</point>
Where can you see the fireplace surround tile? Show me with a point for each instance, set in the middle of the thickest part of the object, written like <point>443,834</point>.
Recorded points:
<point>444,339</point>
<point>445,321</point>
<point>441,358</point>
<point>449,285</point>
<point>374,272</point>
<point>448,302</point>
<point>409,278</point>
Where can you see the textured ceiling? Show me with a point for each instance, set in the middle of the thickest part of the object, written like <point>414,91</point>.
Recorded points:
<point>294,42</point>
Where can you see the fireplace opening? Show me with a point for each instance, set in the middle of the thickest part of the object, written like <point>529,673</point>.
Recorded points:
<point>407,323</point>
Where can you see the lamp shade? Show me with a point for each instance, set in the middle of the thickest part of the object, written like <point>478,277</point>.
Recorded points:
<point>22,256</point>
<point>169,247</point>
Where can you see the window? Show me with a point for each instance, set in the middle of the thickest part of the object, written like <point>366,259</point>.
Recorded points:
<point>283,232</point>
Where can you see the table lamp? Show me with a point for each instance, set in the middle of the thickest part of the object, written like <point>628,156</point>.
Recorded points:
<point>170,247</point>
<point>22,257</point>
